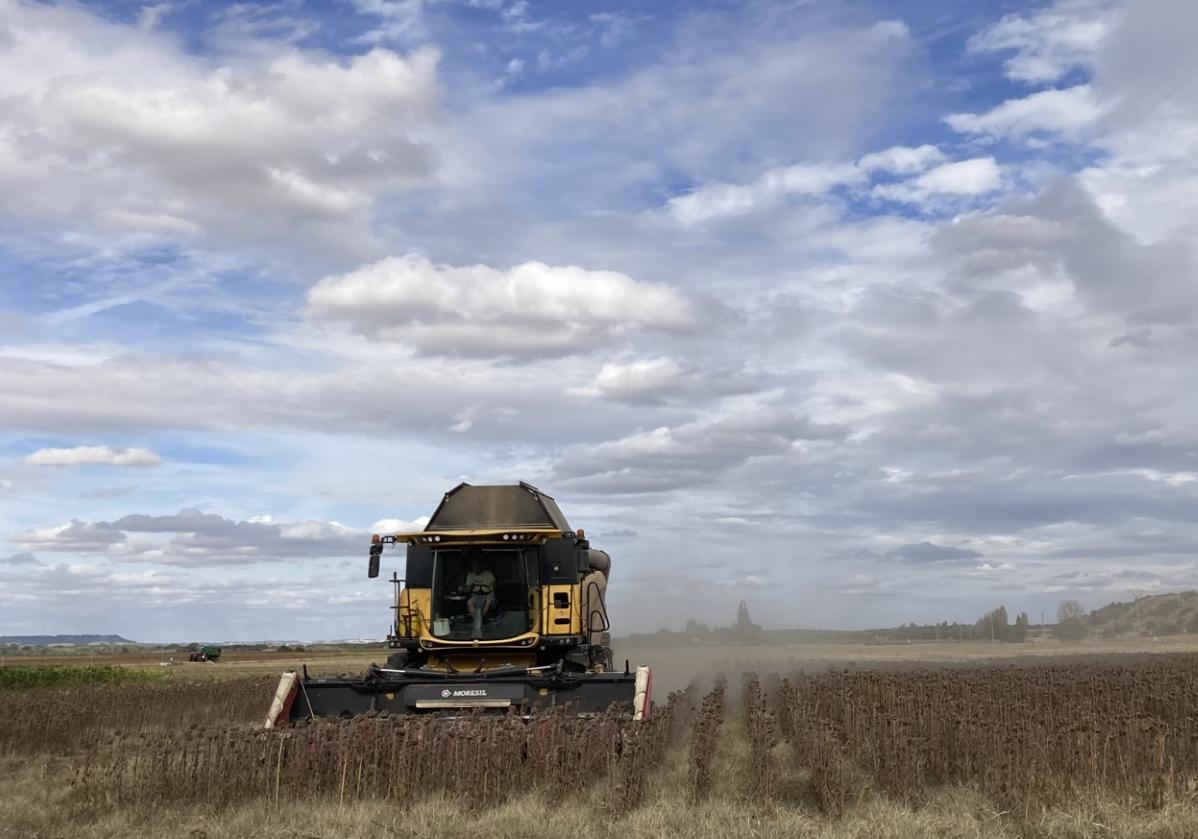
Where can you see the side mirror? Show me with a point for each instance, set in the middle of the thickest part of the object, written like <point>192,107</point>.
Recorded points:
<point>376,551</point>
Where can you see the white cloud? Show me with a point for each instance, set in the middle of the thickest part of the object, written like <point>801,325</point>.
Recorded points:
<point>902,160</point>
<point>961,178</point>
<point>119,127</point>
<point>530,309</point>
<point>690,453</point>
<point>313,380</point>
<point>399,525</point>
<point>131,220</point>
<point>26,559</point>
<point>1147,177</point>
<point>192,537</point>
<point>75,536</point>
<point>1067,112</point>
<point>714,201</point>
<point>720,200</point>
<point>634,380</point>
<point>1050,42</point>
<point>93,455</point>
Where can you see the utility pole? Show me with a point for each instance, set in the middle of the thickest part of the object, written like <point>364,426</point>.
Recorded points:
<point>992,627</point>
<point>1139,630</point>
<point>1042,626</point>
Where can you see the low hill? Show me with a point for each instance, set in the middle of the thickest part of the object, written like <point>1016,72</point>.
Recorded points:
<point>63,640</point>
<point>1158,614</point>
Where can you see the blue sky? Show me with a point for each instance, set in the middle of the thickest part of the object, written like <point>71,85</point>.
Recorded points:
<point>863,312</point>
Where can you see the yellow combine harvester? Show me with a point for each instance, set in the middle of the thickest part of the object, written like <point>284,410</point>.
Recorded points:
<point>502,605</point>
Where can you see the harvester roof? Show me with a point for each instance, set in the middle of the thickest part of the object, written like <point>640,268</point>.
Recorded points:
<point>522,505</point>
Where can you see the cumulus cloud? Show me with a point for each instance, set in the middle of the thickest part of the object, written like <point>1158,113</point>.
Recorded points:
<point>531,309</point>
<point>638,380</point>
<point>93,455</point>
<point>902,160</point>
<point>720,200</point>
<point>688,454</point>
<point>321,382</point>
<point>1050,42</point>
<point>20,559</point>
<point>75,536</point>
<point>962,178</point>
<point>1064,236</point>
<point>1066,112</point>
<point>399,525</point>
<point>713,201</point>
<point>192,537</point>
<point>118,126</point>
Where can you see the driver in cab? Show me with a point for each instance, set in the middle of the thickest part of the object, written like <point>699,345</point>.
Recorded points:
<point>480,585</point>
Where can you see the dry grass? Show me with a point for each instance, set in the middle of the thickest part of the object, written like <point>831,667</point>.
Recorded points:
<point>62,720</point>
<point>1024,735</point>
<point>32,805</point>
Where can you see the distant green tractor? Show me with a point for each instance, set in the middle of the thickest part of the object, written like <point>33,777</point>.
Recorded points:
<point>205,654</point>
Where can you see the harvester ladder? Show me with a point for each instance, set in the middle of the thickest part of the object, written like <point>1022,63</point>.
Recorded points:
<point>405,616</point>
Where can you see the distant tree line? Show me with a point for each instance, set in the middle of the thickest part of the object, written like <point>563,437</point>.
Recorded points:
<point>995,625</point>
<point>1178,614</point>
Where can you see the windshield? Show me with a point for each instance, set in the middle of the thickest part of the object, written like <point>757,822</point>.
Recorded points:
<point>481,593</point>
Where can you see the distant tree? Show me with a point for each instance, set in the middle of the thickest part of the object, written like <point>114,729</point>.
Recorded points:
<point>1073,629</point>
<point>1071,621</point>
<point>746,631</point>
<point>1070,610</point>
<point>993,624</point>
<point>1017,632</point>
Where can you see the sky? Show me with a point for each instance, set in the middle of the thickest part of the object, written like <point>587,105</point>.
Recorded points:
<point>862,312</point>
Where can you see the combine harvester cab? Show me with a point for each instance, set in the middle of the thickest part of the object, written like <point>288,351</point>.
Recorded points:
<point>501,607</point>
